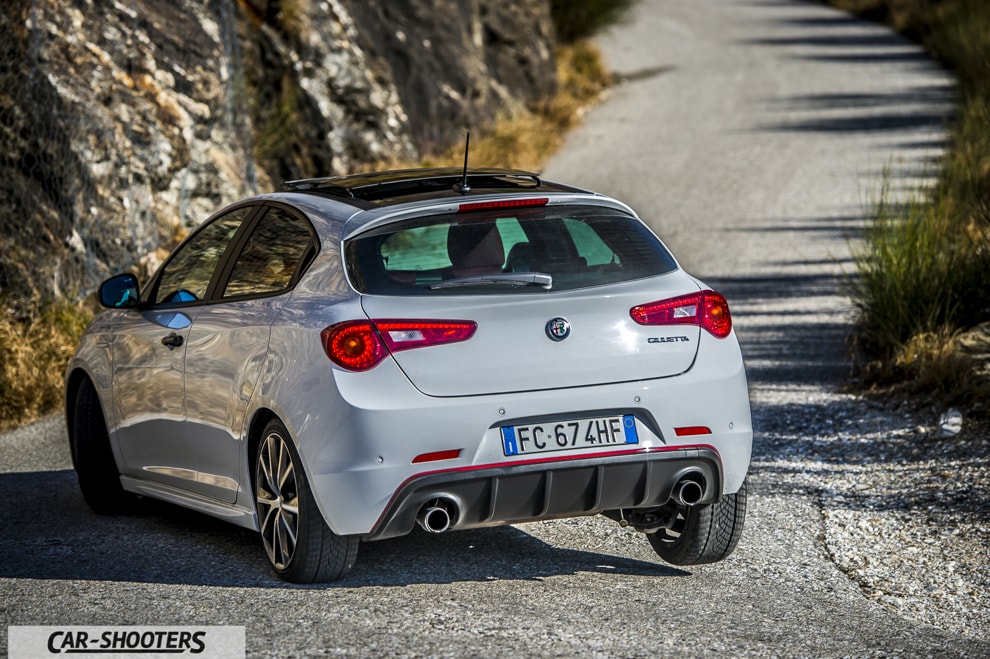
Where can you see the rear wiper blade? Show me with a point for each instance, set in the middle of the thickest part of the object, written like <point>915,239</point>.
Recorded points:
<point>540,279</point>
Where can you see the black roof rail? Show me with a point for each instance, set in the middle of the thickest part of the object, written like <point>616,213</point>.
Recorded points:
<point>380,186</point>
<point>324,184</point>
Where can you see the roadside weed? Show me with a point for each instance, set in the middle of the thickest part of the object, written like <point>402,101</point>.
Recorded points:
<point>34,350</point>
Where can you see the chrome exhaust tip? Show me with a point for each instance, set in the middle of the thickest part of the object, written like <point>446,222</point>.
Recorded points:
<point>687,491</point>
<point>437,515</point>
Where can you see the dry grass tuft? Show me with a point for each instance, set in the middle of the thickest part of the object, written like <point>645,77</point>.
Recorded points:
<point>930,367</point>
<point>34,351</point>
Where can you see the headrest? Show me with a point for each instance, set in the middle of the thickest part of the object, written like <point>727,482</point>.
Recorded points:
<point>475,248</point>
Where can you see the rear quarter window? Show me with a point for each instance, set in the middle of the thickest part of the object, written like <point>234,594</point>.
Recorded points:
<point>280,245</point>
<point>577,246</point>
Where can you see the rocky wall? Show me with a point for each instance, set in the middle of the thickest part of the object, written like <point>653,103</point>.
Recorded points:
<point>125,123</point>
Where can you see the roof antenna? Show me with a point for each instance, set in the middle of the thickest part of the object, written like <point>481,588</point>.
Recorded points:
<point>463,187</point>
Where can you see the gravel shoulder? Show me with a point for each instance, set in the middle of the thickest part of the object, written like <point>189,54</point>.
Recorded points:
<point>904,510</point>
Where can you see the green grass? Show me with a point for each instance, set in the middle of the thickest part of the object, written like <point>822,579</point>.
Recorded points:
<point>919,272</point>
<point>924,271</point>
<point>917,279</point>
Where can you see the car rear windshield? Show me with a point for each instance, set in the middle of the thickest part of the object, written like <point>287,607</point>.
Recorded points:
<point>533,250</point>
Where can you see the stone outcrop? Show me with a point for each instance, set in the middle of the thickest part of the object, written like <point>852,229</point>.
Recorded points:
<point>457,63</point>
<point>123,124</point>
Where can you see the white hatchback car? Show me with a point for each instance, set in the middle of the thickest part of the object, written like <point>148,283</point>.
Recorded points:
<point>340,361</point>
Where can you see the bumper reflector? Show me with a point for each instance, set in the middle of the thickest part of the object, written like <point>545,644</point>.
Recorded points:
<point>435,456</point>
<point>691,431</point>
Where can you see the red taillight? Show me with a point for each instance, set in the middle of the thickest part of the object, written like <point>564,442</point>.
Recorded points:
<point>408,334</point>
<point>354,345</point>
<point>507,203</point>
<point>706,309</point>
<point>359,345</point>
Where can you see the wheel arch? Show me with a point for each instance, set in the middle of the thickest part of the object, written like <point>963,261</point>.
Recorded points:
<point>255,433</point>
<point>256,427</point>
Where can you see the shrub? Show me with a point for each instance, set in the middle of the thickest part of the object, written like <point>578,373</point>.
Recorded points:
<point>920,271</point>
<point>579,19</point>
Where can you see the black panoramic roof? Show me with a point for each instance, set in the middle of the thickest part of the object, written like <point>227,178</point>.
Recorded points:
<point>403,185</point>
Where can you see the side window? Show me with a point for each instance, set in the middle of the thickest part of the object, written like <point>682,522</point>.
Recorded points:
<point>279,244</point>
<point>187,275</point>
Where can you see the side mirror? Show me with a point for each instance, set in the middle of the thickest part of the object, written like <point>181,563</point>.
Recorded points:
<point>120,292</point>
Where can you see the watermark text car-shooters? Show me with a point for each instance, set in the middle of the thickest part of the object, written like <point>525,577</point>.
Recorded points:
<point>213,641</point>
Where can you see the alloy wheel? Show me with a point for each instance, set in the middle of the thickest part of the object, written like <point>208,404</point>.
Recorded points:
<point>277,500</point>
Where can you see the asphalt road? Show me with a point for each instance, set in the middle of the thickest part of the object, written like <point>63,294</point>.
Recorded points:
<point>750,134</point>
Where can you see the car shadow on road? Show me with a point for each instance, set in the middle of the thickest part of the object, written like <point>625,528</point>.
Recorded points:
<point>52,534</point>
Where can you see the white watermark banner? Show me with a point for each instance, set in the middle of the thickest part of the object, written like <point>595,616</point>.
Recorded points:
<point>147,642</point>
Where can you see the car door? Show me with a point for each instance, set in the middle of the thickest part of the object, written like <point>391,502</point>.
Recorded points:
<point>228,343</point>
<point>149,347</point>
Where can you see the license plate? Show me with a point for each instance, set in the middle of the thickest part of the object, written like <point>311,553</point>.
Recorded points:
<point>567,435</point>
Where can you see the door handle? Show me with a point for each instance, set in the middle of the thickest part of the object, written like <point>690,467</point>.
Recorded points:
<point>173,340</point>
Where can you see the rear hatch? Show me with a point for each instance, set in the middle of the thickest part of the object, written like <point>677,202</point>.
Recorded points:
<point>513,350</point>
<point>549,285</point>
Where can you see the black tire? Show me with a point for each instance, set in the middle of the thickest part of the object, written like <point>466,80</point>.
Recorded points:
<point>703,534</point>
<point>92,457</point>
<point>300,546</point>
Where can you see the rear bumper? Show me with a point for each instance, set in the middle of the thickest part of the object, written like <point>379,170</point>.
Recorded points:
<point>491,495</point>
<point>372,445</point>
